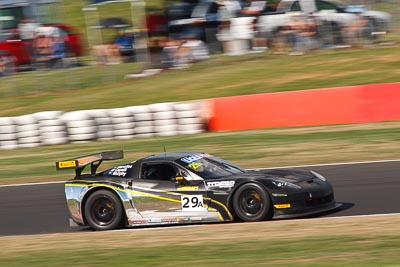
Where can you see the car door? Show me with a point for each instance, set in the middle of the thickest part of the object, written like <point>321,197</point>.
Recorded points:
<point>163,193</point>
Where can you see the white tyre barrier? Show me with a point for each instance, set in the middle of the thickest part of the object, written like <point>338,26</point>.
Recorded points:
<point>52,128</point>
<point>122,120</point>
<point>56,127</point>
<point>143,129</point>
<point>144,135</point>
<point>81,123</point>
<point>5,129</point>
<point>54,122</point>
<point>123,123</point>
<point>81,126</point>
<point>50,135</point>
<point>47,115</point>
<point>27,131</point>
<point>25,119</point>
<point>76,116</point>
<point>192,120</point>
<point>105,135</point>
<point>55,141</point>
<point>82,137</point>
<point>29,140</point>
<point>164,115</point>
<point>28,128</point>
<point>138,109</point>
<point>192,131</point>
<point>119,112</point>
<point>8,136</point>
<point>165,130</point>
<point>161,107</point>
<point>191,127</point>
<point>82,130</point>
<point>7,121</point>
<point>8,144</point>
<point>143,124</point>
<point>143,116</point>
<point>164,122</point>
<point>187,106</point>
<point>124,133</point>
<point>188,114</point>
<point>104,123</point>
<point>123,126</point>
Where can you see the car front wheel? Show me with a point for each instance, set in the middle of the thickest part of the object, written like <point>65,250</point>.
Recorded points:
<point>251,203</point>
<point>103,211</point>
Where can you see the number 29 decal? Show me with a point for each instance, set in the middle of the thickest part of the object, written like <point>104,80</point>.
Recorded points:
<point>192,203</point>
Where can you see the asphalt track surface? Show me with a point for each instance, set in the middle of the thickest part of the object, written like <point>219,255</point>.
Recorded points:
<point>364,188</point>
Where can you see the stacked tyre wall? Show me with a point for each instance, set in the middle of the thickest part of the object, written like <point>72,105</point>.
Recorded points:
<point>342,105</point>
<point>57,127</point>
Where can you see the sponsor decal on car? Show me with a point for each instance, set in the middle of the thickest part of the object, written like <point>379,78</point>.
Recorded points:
<point>221,184</point>
<point>137,221</point>
<point>195,165</point>
<point>120,170</point>
<point>66,164</point>
<point>279,195</point>
<point>191,158</point>
<point>185,187</point>
<point>282,206</point>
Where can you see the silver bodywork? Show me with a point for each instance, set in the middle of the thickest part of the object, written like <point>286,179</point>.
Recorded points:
<point>145,205</point>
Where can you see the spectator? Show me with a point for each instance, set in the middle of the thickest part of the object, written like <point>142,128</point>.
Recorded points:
<point>27,29</point>
<point>42,44</point>
<point>227,10</point>
<point>49,47</point>
<point>354,32</point>
<point>255,8</point>
<point>107,54</point>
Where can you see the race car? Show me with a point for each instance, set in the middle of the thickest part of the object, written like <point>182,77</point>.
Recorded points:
<point>187,187</point>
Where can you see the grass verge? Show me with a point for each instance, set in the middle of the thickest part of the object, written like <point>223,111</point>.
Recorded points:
<point>343,241</point>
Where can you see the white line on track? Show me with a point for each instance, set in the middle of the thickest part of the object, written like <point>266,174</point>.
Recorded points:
<point>29,184</point>
<point>296,166</point>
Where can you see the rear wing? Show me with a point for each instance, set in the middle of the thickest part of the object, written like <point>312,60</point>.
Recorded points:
<point>79,163</point>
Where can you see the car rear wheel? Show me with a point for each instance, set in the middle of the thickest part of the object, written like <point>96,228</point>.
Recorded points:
<point>251,203</point>
<point>103,211</point>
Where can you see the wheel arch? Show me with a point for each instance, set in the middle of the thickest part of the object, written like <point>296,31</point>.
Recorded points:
<point>231,197</point>
<point>92,191</point>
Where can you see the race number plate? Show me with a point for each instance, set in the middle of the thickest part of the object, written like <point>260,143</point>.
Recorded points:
<point>192,203</point>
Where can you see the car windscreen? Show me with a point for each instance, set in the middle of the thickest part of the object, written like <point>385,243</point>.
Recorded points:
<point>208,167</point>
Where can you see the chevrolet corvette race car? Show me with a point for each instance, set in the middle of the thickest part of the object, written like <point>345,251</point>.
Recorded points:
<point>187,187</point>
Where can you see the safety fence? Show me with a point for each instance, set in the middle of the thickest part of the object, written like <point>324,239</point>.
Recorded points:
<point>57,127</point>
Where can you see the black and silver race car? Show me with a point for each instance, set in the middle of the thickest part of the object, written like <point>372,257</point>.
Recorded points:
<point>188,187</point>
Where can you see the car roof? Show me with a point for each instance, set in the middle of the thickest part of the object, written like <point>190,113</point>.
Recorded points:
<point>170,156</point>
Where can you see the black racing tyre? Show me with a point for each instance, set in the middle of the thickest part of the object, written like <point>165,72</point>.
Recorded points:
<point>251,203</point>
<point>103,211</point>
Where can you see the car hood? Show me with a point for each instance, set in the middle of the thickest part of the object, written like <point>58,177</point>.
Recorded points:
<point>291,175</point>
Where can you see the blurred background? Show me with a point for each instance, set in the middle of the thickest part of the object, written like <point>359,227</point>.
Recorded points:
<point>61,45</point>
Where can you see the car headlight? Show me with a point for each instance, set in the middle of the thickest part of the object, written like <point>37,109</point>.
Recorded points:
<point>319,176</point>
<point>284,184</point>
